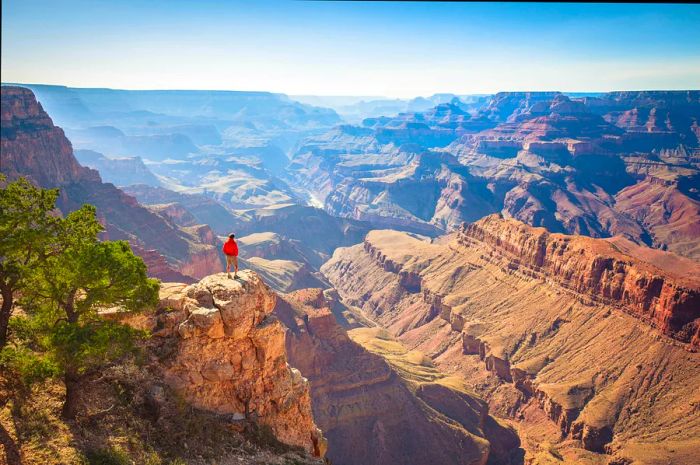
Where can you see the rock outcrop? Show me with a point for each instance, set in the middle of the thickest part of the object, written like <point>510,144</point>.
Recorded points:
<point>226,354</point>
<point>599,336</point>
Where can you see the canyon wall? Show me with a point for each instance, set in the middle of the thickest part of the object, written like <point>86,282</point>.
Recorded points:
<point>32,146</point>
<point>592,268</point>
<point>373,412</point>
<point>602,343</point>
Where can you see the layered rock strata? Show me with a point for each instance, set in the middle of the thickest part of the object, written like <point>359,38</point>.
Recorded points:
<point>596,270</point>
<point>361,399</point>
<point>526,317</point>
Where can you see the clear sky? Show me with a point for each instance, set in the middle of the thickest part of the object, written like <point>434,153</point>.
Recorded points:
<point>350,48</point>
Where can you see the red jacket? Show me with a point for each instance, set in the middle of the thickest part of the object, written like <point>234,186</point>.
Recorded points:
<point>231,248</point>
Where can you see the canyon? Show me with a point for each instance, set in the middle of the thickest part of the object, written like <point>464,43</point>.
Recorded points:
<point>600,165</point>
<point>571,164</point>
<point>544,321</point>
<point>405,413</point>
<point>493,280</point>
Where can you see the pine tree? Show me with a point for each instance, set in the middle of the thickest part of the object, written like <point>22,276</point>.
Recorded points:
<point>64,276</point>
<point>79,278</point>
<point>27,227</point>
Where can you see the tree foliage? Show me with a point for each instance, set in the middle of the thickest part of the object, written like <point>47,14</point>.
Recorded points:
<point>82,274</point>
<point>63,290</point>
<point>27,226</point>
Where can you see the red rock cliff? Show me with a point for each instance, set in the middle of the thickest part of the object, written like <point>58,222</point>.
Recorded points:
<point>597,270</point>
<point>32,146</point>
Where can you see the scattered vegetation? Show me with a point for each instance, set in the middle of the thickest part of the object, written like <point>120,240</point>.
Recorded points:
<point>126,416</point>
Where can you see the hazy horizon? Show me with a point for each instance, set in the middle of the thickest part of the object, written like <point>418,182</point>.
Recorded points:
<point>357,97</point>
<point>351,48</point>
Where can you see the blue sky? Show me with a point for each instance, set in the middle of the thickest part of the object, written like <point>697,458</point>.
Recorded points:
<point>350,48</point>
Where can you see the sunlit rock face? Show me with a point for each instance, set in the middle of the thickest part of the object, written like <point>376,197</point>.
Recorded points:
<point>578,333</point>
<point>228,355</point>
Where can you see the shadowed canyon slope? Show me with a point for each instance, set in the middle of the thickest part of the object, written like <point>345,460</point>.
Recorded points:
<point>376,413</point>
<point>602,343</point>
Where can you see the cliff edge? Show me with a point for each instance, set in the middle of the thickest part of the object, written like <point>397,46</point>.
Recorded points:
<point>223,351</point>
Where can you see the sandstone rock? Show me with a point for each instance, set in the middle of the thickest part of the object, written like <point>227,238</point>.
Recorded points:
<point>230,355</point>
<point>32,146</point>
<point>593,438</point>
<point>598,270</point>
<point>671,217</point>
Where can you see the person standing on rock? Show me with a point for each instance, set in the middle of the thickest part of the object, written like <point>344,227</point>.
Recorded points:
<point>231,252</point>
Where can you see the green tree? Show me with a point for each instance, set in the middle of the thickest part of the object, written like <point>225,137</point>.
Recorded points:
<point>79,277</point>
<point>27,228</point>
